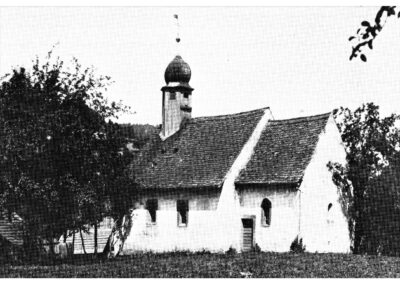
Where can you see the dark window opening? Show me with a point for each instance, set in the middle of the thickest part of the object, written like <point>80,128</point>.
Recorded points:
<point>182,206</point>
<point>186,95</point>
<point>329,218</point>
<point>266,212</point>
<point>172,96</point>
<point>152,207</point>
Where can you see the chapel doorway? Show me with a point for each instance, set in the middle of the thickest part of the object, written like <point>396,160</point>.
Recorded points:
<point>248,234</point>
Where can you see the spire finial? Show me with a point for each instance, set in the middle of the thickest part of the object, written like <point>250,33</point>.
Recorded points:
<point>178,39</point>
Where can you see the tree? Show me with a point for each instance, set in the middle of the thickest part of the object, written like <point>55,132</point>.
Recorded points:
<point>382,226</point>
<point>367,33</point>
<point>61,156</point>
<point>370,142</point>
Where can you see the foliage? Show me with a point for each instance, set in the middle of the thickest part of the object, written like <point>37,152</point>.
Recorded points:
<point>62,159</point>
<point>370,142</point>
<point>297,246</point>
<point>10,253</point>
<point>177,265</point>
<point>256,248</point>
<point>382,226</point>
<point>231,251</point>
<point>367,33</point>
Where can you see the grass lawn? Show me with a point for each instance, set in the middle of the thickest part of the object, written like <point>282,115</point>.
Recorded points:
<point>216,265</point>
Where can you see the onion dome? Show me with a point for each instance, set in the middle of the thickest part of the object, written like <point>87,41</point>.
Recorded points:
<point>177,71</point>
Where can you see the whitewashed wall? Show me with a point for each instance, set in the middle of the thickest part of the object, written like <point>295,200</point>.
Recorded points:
<point>283,229</point>
<point>322,231</point>
<point>165,235</point>
<point>207,231</point>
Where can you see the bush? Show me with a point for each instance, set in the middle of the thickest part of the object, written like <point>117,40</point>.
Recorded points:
<point>203,252</point>
<point>231,251</point>
<point>10,254</point>
<point>256,248</point>
<point>297,246</point>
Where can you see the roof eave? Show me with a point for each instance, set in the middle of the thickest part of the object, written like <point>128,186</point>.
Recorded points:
<point>180,187</point>
<point>266,183</point>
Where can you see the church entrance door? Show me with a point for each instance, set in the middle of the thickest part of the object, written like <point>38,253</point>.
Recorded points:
<point>248,233</point>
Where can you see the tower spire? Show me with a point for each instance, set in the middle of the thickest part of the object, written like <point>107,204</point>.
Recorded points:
<point>178,38</point>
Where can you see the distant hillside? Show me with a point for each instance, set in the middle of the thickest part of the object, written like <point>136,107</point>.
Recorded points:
<point>139,134</point>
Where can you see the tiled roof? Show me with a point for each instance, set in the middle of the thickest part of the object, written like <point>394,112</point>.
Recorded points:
<point>10,232</point>
<point>284,151</point>
<point>198,155</point>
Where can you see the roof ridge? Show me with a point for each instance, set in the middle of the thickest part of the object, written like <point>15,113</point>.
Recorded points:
<point>222,116</point>
<point>303,118</point>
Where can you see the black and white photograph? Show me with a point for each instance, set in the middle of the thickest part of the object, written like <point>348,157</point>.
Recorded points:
<point>199,141</point>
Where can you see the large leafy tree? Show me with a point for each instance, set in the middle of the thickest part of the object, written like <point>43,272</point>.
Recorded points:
<point>371,142</point>
<point>61,156</point>
<point>370,181</point>
<point>382,226</point>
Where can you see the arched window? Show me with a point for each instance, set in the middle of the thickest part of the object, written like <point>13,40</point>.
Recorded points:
<point>266,212</point>
<point>152,207</point>
<point>182,206</point>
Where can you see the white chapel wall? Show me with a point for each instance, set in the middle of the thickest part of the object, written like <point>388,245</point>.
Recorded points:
<point>323,231</point>
<point>165,235</point>
<point>283,229</point>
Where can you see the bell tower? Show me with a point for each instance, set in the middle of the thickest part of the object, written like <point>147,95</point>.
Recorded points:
<point>176,96</point>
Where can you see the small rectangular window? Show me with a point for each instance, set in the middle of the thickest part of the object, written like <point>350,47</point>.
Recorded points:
<point>172,96</point>
<point>186,95</point>
<point>182,206</point>
<point>152,207</point>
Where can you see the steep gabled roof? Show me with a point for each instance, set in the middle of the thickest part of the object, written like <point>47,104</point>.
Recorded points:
<point>284,151</point>
<point>198,155</point>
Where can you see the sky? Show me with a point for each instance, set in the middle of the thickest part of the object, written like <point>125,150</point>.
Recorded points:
<point>293,59</point>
